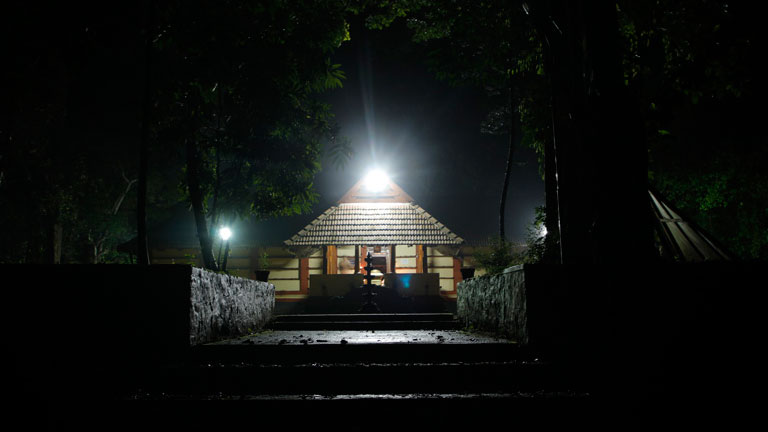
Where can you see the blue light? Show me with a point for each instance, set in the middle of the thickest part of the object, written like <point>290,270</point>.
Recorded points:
<point>406,279</point>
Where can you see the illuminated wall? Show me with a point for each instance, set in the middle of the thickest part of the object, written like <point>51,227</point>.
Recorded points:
<point>285,266</point>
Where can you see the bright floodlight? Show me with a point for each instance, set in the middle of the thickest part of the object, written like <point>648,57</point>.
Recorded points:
<point>225,233</point>
<point>376,181</point>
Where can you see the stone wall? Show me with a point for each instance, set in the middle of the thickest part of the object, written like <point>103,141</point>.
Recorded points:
<point>495,303</point>
<point>224,306</point>
<point>97,330</point>
<point>574,309</point>
<point>635,332</point>
<point>129,313</point>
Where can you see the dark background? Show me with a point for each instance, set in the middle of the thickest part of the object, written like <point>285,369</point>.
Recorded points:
<point>426,135</point>
<point>88,58</point>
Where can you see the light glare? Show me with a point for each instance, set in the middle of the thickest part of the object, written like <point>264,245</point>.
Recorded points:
<point>225,233</point>
<point>376,181</point>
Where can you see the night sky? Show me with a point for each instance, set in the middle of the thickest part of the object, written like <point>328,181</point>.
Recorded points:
<point>426,134</point>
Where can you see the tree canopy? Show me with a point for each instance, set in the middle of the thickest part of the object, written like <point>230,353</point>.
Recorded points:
<point>236,128</point>
<point>689,70</point>
<point>236,86</point>
<point>234,123</point>
<point>67,171</point>
<point>694,68</point>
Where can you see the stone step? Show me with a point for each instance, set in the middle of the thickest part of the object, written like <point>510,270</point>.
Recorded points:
<point>364,325</point>
<point>376,321</point>
<point>356,363</point>
<point>389,317</point>
<point>362,411</point>
<point>329,363</point>
<point>336,346</point>
<point>357,353</point>
<point>373,397</point>
<point>356,379</point>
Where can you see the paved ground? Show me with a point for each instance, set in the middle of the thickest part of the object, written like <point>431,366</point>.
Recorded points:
<point>330,337</point>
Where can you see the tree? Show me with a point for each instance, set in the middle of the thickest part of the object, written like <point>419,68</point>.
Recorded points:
<point>494,46</point>
<point>696,78</point>
<point>68,169</point>
<point>239,98</point>
<point>597,143</point>
<point>232,107</point>
<point>47,155</point>
<point>673,80</point>
<point>142,248</point>
<point>659,79</point>
<point>502,58</point>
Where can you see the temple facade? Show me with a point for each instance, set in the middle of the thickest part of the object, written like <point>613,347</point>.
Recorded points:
<point>326,257</point>
<point>401,237</point>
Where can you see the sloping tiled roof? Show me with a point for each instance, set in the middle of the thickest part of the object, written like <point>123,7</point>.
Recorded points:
<point>686,241</point>
<point>375,224</point>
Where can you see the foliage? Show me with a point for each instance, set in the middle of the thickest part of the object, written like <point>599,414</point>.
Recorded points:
<point>726,194</point>
<point>239,80</point>
<point>67,163</point>
<point>694,72</point>
<point>504,58</point>
<point>244,93</point>
<point>497,256</point>
<point>691,67</point>
<point>501,253</point>
<point>490,45</point>
<point>242,98</point>
<point>236,79</point>
<point>536,238</point>
<point>264,260</point>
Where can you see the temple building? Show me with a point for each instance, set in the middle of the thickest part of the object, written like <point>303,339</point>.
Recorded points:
<point>380,219</point>
<point>411,250</point>
<point>413,254</point>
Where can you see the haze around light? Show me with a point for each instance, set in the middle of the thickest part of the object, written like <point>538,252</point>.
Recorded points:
<point>376,180</point>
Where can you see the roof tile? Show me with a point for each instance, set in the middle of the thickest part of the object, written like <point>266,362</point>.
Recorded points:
<point>375,223</point>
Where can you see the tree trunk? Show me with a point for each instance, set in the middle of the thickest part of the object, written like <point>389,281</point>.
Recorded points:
<point>142,249</point>
<point>214,208</point>
<point>505,187</point>
<point>196,199</point>
<point>552,251</point>
<point>55,242</point>
<point>214,212</point>
<point>621,228</point>
<point>573,157</point>
<point>226,255</point>
<point>226,248</point>
<point>599,159</point>
<point>508,171</point>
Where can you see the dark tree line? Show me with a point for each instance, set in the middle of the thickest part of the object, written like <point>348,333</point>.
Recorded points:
<point>615,96</point>
<point>213,103</point>
<point>67,166</point>
<point>237,85</point>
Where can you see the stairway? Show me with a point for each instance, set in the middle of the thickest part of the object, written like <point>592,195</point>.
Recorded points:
<point>411,363</point>
<point>378,321</point>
